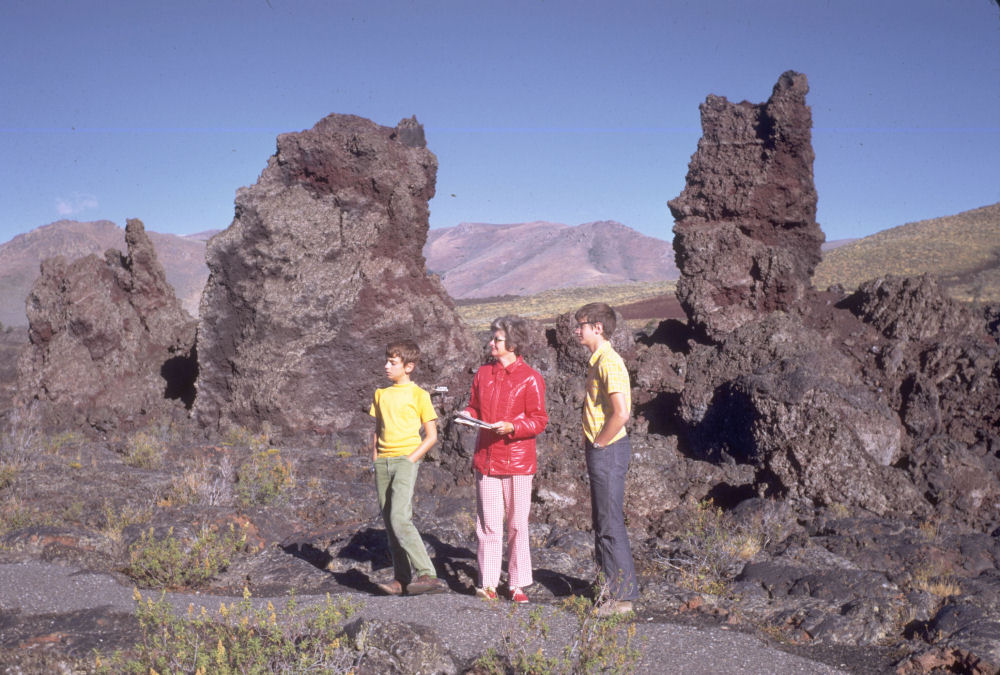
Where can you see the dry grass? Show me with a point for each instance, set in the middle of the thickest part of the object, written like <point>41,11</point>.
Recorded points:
<point>547,305</point>
<point>963,250</point>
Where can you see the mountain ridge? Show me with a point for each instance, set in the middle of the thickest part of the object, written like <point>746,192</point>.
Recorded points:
<point>482,260</point>
<point>539,255</point>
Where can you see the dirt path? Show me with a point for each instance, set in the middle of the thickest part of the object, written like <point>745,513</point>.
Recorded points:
<point>33,594</point>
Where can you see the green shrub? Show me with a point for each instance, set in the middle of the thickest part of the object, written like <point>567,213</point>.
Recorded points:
<point>241,437</point>
<point>713,548</point>
<point>115,522</point>
<point>240,639</point>
<point>63,441</point>
<point>8,474</point>
<point>14,515</point>
<point>263,478</point>
<point>170,562</point>
<point>144,450</point>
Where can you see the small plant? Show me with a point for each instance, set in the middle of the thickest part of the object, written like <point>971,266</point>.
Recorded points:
<point>144,450</point>
<point>933,578</point>
<point>115,522</point>
<point>8,474</point>
<point>713,549</point>
<point>929,529</point>
<point>264,478</point>
<point>206,483</point>
<point>15,516</point>
<point>240,639</point>
<point>241,437</point>
<point>62,441</point>
<point>19,442</point>
<point>170,563</point>
<point>599,644</point>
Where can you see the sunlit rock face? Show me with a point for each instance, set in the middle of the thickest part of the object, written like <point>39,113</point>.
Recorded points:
<point>320,268</point>
<point>111,347</point>
<point>745,235</point>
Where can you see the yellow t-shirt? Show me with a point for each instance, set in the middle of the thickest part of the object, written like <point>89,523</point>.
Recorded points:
<point>606,375</point>
<point>400,411</point>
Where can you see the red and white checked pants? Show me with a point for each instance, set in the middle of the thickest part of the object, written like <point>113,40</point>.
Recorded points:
<point>495,496</point>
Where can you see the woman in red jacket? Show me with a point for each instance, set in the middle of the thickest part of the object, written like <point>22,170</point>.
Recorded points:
<point>509,394</point>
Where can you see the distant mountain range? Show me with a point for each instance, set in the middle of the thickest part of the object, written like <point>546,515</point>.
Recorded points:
<point>183,259</point>
<point>477,260</point>
<point>473,259</point>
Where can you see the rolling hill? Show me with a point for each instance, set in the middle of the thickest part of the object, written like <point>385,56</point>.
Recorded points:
<point>962,250</point>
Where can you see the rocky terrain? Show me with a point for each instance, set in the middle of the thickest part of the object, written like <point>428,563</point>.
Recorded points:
<point>816,468</point>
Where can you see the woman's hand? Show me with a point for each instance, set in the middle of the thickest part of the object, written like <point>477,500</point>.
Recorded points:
<point>503,428</point>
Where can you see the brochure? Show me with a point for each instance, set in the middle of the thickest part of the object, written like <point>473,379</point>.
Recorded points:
<point>469,420</point>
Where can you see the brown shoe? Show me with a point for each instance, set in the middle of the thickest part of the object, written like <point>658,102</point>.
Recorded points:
<point>426,584</point>
<point>390,587</point>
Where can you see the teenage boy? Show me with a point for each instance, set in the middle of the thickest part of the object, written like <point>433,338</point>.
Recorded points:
<point>606,409</point>
<point>400,411</point>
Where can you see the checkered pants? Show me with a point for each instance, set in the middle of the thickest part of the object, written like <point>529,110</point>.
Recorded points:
<point>496,495</point>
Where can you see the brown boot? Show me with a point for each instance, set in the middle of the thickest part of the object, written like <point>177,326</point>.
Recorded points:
<point>390,587</point>
<point>426,584</point>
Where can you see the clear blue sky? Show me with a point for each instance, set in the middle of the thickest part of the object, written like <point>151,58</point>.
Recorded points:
<point>561,110</point>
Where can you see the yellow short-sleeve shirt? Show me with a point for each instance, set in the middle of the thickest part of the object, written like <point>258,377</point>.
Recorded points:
<point>400,411</point>
<point>606,375</point>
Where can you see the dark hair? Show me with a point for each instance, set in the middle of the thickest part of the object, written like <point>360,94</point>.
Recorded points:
<point>598,312</point>
<point>406,350</point>
<point>515,330</point>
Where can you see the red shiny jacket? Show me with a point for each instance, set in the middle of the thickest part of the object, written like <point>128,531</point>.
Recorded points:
<point>514,394</point>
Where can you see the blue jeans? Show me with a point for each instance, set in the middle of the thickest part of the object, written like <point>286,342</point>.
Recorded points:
<point>606,468</point>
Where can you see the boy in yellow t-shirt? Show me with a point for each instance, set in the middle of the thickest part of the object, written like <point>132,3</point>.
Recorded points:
<point>606,409</point>
<point>400,412</point>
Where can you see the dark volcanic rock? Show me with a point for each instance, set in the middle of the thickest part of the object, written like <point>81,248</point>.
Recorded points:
<point>910,308</point>
<point>321,267</point>
<point>746,237</point>
<point>111,346</point>
<point>777,394</point>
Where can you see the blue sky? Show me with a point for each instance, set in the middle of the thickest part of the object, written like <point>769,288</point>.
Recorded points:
<point>563,110</point>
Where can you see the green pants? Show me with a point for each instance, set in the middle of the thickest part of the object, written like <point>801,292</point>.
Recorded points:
<point>395,478</point>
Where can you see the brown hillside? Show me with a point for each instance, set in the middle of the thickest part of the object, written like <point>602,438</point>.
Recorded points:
<point>962,250</point>
<point>182,258</point>
<point>477,260</point>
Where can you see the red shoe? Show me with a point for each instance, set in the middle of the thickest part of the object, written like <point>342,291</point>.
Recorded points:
<point>488,593</point>
<point>519,596</point>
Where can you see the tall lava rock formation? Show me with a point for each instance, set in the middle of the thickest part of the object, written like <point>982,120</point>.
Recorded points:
<point>883,400</point>
<point>321,267</point>
<point>746,237</point>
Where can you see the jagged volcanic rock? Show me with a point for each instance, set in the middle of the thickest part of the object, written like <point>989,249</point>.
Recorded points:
<point>746,237</point>
<point>320,268</point>
<point>111,346</point>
